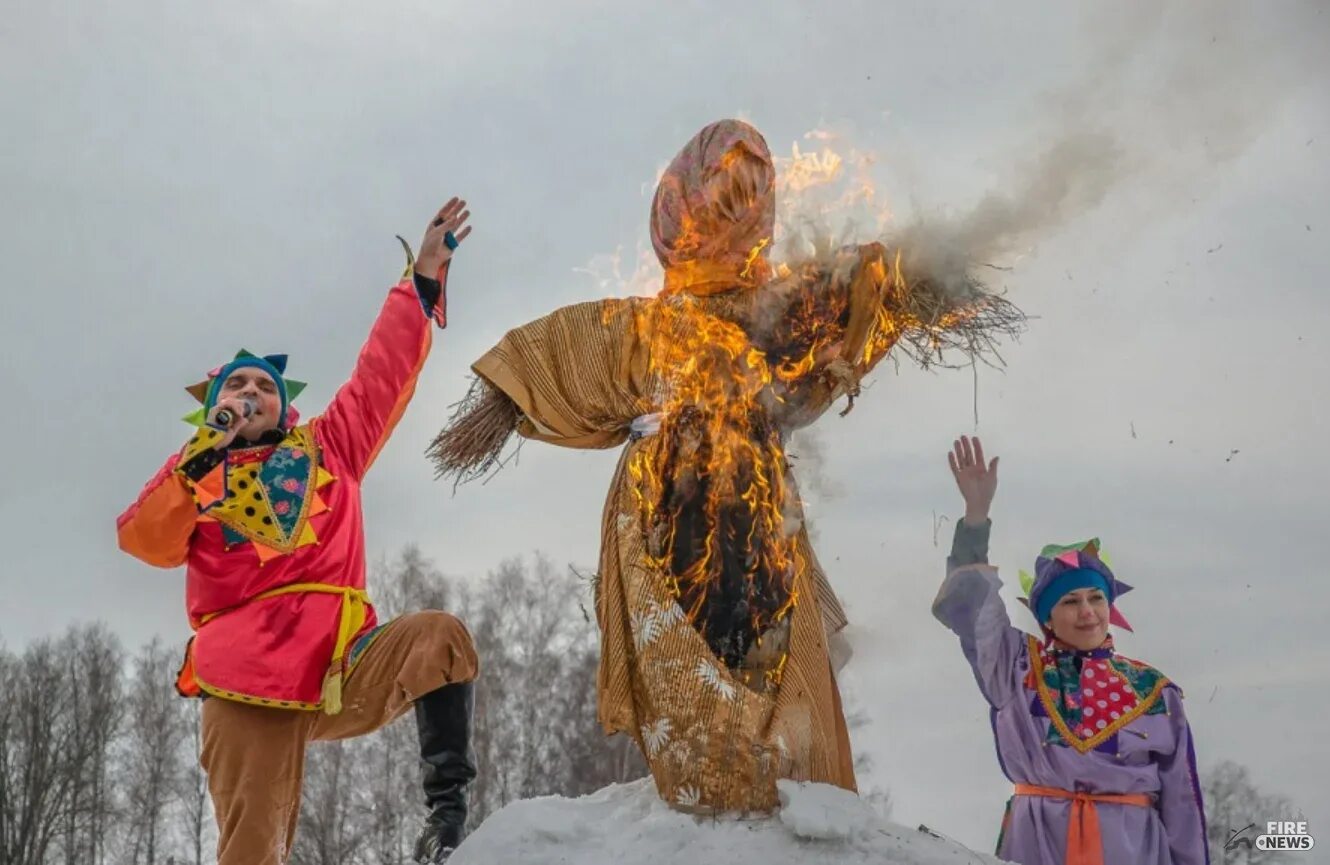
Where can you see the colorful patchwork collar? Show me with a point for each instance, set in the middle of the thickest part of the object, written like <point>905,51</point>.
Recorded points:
<point>265,495</point>
<point>1089,697</point>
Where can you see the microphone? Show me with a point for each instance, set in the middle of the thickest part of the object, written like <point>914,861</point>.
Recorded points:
<point>225,416</point>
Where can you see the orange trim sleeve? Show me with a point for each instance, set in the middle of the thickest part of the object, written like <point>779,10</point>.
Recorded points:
<point>157,527</point>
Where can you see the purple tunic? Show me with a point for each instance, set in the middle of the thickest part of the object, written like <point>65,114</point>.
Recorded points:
<point>1151,754</point>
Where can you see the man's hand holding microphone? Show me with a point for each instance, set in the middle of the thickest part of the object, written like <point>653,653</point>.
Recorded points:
<point>230,414</point>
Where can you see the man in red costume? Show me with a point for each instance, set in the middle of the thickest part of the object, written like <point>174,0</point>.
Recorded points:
<point>266,513</point>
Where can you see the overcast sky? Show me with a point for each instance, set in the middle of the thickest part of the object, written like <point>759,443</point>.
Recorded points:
<point>183,179</point>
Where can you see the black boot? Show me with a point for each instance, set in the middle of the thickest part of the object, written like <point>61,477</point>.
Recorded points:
<point>443,719</point>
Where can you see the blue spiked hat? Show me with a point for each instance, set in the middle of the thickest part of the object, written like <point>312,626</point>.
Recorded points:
<point>274,365</point>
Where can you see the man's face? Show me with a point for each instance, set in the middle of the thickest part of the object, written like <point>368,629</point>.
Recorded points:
<point>256,385</point>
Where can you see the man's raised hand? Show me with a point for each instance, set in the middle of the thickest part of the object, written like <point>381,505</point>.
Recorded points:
<point>434,249</point>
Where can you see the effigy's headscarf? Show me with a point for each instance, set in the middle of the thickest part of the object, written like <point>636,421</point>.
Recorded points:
<point>715,210</point>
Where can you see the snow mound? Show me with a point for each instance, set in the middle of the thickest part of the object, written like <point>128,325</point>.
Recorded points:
<point>627,824</point>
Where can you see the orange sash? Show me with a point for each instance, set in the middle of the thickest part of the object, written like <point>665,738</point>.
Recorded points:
<point>1085,846</point>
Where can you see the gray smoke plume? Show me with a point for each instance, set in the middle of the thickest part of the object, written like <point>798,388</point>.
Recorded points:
<point>808,450</point>
<point>1170,93</point>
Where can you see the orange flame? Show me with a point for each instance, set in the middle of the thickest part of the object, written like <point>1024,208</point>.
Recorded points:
<point>713,492</point>
<point>712,488</point>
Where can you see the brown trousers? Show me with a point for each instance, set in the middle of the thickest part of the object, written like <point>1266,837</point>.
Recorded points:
<point>255,756</point>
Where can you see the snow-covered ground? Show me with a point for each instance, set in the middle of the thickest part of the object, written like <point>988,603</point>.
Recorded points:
<point>627,824</point>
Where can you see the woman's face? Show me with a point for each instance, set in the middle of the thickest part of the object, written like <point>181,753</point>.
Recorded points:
<point>1080,619</point>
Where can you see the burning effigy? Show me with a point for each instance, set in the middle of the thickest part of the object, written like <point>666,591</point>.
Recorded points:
<point>713,610</point>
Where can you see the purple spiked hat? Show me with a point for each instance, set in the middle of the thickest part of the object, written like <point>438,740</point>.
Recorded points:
<point>1056,561</point>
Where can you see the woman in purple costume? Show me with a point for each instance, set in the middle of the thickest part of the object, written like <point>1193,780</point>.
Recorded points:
<point>1096,744</point>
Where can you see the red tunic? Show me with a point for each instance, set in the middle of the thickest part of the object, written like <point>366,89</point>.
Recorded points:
<point>250,643</point>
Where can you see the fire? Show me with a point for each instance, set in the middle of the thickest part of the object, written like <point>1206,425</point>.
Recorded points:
<point>732,373</point>
<point>822,189</point>
<point>807,170</point>
<point>754,255</point>
<point>712,487</point>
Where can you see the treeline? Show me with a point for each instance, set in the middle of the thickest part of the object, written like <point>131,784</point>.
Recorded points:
<point>98,755</point>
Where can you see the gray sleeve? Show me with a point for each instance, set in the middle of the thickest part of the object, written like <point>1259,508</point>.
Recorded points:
<point>969,546</point>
